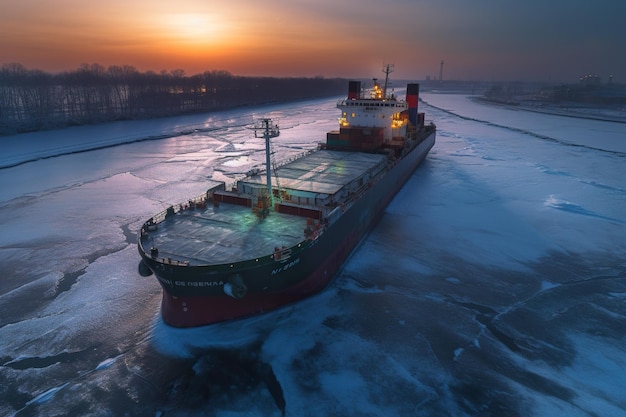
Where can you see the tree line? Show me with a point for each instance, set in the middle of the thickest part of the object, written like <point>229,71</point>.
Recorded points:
<point>32,99</point>
<point>609,94</point>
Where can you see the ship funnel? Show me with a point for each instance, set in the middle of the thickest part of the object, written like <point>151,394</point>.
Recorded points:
<point>354,90</point>
<point>412,97</point>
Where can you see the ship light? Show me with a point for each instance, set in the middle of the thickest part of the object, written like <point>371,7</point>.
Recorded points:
<point>397,121</point>
<point>377,92</point>
<point>343,122</point>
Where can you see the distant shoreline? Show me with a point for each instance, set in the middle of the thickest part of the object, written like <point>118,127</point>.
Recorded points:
<point>33,101</point>
<point>577,112</point>
<point>27,147</point>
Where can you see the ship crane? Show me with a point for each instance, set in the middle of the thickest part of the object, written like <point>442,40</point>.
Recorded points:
<point>267,130</point>
<point>387,69</point>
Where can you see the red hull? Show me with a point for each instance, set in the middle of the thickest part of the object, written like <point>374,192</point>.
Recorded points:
<point>199,311</point>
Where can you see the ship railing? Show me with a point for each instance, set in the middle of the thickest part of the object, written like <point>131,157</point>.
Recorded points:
<point>285,161</point>
<point>170,261</point>
<point>233,184</point>
<point>293,158</point>
<point>282,255</point>
<point>177,208</point>
<point>389,102</point>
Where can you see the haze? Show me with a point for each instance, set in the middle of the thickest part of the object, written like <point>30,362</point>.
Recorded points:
<point>533,40</point>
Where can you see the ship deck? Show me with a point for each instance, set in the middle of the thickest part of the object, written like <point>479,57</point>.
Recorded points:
<point>323,171</point>
<point>231,233</point>
<point>224,234</point>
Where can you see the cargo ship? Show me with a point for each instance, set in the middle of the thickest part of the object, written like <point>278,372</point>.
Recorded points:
<point>281,233</point>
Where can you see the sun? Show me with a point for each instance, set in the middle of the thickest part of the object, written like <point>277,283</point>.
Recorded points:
<point>195,28</point>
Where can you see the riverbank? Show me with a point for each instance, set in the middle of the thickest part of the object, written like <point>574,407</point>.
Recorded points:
<point>576,110</point>
<point>23,148</point>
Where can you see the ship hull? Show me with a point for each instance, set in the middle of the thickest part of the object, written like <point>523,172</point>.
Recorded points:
<point>195,296</point>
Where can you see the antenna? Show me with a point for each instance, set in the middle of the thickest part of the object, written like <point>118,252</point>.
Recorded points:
<point>267,130</point>
<point>387,69</point>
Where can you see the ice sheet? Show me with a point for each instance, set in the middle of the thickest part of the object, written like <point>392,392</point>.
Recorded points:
<point>494,283</point>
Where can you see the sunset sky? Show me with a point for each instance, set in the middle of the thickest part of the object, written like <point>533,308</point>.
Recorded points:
<point>544,40</point>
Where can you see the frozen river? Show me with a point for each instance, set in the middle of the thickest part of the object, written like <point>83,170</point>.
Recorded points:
<point>495,283</point>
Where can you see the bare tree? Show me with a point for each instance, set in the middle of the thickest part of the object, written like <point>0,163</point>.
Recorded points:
<point>33,99</point>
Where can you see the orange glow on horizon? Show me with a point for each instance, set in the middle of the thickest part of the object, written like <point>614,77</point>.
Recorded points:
<point>152,37</point>
<point>325,37</point>
<point>191,31</point>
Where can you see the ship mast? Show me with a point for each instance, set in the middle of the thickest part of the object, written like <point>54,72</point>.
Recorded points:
<point>267,131</point>
<point>387,69</point>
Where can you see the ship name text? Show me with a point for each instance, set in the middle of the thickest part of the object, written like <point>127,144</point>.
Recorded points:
<point>285,267</point>
<point>172,283</point>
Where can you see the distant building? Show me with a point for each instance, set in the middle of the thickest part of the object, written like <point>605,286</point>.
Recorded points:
<point>590,79</point>
<point>591,90</point>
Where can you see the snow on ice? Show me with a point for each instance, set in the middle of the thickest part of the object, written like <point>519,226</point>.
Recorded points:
<point>493,285</point>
